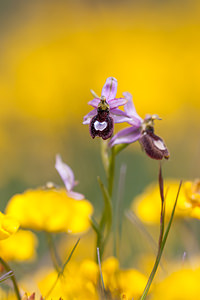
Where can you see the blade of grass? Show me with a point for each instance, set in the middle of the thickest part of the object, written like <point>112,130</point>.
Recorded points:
<point>162,215</point>
<point>62,269</point>
<point>100,270</point>
<point>160,249</point>
<point>6,276</point>
<point>171,218</point>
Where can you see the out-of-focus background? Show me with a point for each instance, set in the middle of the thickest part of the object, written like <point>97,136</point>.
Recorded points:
<point>53,52</point>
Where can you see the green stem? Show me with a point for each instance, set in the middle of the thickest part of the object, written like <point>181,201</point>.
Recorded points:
<point>104,155</point>
<point>108,159</point>
<point>111,171</point>
<point>14,281</point>
<point>106,219</point>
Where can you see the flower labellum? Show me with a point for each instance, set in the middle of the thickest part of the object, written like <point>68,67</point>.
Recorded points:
<point>152,144</point>
<point>102,124</point>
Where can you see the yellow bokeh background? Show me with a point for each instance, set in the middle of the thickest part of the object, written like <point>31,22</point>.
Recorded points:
<point>53,52</point>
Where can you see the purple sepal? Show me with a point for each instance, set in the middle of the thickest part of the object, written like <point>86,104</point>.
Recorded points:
<point>130,110</point>
<point>75,195</point>
<point>67,177</point>
<point>126,136</point>
<point>87,118</point>
<point>109,89</point>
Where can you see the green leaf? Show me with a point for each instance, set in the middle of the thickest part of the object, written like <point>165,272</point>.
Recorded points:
<point>118,148</point>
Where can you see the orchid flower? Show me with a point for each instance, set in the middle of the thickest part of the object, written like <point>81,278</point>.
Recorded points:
<point>67,176</point>
<point>105,113</point>
<point>142,131</point>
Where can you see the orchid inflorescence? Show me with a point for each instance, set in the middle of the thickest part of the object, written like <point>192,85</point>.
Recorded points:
<point>62,210</point>
<point>106,112</point>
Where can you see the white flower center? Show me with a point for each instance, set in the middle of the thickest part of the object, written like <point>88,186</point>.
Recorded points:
<point>159,144</point>
<point>100,125</point>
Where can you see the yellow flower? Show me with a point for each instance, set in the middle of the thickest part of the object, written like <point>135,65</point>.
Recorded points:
<point>50,210</point>
<point>192,191</point>
<point>7,295</point>
<point>147,206</point>
<point>80,281</point>
<point>8,226</point>
<point>10,249</point>
<point>130,282</point>
<point>182,284</point>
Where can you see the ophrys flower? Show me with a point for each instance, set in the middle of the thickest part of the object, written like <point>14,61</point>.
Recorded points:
<point>105,113</point>
<point>141,130</point>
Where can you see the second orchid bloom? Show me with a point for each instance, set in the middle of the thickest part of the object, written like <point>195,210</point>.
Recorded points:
<point>106,112</point>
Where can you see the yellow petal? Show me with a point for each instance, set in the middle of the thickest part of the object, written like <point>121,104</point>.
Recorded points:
<point>10,249</point>
<point>8,226</point>
<point>50,210</point>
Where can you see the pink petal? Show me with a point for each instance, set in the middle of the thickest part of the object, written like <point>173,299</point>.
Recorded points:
<point>87,118</point>
<point>65,173</point>
<point>109,89</point>
<point>114,103</point>
<point>75,195</point>
<point>119,116</point>
<point>126,136</point>
<point>130,109</point>
<point>94,102</point>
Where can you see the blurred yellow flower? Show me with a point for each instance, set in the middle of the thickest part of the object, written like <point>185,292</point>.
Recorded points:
<point>192,191</point>
<point>7,295</point>
<point>128,282</point>
<point>10,249</point>
<point>182,284</point>
<point>8,226</point>
<point>80,281</point>
<point>51,210</point>
<point>147,206</point>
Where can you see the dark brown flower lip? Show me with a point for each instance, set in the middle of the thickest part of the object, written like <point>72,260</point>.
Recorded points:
<point>153,145</point>
<point>101,125</point>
